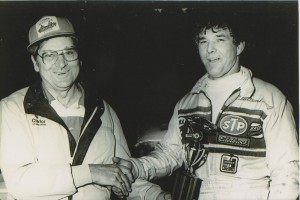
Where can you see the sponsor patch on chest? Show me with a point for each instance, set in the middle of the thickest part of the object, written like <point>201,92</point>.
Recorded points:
<point>229,163</point>
<point>233,125</point>
<point>256,130</point>
<point>234,141</point>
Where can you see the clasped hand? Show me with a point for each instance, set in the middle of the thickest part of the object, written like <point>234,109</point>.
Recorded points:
<point>117,176</point>
<point>127,169</point>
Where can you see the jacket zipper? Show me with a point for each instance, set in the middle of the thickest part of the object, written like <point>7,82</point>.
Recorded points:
<point>82,132</point>
<point>227,103</point>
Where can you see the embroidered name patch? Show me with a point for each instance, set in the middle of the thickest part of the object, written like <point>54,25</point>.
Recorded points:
<point>39,122</point>
<point>234,141</point>
<point>229,164</point>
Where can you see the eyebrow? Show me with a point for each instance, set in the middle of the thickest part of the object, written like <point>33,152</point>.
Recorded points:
<point>218,35</point>
<point>66,48</point>
<point>221,35</point>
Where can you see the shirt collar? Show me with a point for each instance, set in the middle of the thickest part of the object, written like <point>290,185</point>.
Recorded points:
<point>50,97</point>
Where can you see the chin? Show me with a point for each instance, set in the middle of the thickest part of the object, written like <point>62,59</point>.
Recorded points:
<point>213,75</point>
<point>64,85</point>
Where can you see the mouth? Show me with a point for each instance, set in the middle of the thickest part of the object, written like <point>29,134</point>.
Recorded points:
<point>213,60</point>
<point>61,73</point>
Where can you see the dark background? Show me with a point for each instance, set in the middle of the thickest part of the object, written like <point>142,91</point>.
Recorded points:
<point>141,57</point>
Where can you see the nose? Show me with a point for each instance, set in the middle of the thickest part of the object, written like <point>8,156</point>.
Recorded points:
<point>61,62</point>
<point>211,47</point>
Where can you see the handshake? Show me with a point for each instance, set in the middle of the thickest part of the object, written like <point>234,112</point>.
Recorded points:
<point>118,177</point>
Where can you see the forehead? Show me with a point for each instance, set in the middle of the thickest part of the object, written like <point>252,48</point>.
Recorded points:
<point>215,32</point>
<point>57,43</point>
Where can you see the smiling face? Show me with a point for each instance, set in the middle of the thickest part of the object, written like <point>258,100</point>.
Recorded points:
<point>61,75</point>
<point>219,53</point>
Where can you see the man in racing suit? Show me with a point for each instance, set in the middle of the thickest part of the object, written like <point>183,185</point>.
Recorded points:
<point>252,143</point>
<point>58,140</point>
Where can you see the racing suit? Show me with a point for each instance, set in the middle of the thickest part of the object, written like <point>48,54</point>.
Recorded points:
<point>254,155</point>
<point>37,150</point>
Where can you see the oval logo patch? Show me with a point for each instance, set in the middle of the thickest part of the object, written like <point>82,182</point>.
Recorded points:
<point>233,125</point>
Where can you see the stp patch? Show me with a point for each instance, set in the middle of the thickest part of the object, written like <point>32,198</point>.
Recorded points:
<point>229,163</point>
<point>233,125</point>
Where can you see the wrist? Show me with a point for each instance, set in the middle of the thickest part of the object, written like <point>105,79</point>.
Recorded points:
<point>137,168</point>
<point>81,175</point>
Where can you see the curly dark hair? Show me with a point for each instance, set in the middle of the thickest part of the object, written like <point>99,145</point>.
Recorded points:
<point>217,24</point>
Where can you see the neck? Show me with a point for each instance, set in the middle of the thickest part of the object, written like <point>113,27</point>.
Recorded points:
<point>67,96</point>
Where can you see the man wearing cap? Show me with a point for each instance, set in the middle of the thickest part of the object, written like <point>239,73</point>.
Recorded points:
<point>58,141</point>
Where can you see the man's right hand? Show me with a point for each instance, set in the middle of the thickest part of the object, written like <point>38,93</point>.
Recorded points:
<point>126,164</point>
<point>111,175</point>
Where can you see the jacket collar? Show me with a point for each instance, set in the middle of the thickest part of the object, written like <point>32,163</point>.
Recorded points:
<point>246,89</point>
<point>36,103</point>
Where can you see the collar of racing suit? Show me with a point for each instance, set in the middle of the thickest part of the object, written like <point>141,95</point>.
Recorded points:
<point>246,89</point>
<point>36,103</point>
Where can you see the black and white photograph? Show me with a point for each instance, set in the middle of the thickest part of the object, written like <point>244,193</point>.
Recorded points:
<point>154,100</point>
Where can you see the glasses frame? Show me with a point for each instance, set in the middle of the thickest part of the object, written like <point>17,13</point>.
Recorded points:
<point>59,52</point>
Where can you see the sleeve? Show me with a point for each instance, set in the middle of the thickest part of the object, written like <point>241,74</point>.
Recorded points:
<point>24,176</point>
<point>282,152</point>
<point>167,156</point>
<point>141,189</point>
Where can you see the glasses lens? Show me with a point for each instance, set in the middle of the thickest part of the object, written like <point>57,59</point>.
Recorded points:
<point>50,57</point>
<point>70,54</point>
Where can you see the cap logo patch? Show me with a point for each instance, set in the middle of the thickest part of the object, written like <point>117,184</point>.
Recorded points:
<point>46,25</point>
<point>233,125</point>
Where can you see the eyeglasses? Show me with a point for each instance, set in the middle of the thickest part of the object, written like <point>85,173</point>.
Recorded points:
<point>50,57</point>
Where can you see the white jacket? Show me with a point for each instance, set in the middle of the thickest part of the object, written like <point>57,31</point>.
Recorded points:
<point>253,155</point>
<point>36,153</point>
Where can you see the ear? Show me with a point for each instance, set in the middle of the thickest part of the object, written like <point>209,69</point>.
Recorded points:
<point>35,64</point>
<point>240,48</point>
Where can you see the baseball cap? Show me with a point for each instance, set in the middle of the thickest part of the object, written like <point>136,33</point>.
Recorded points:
<point>48,27</point>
